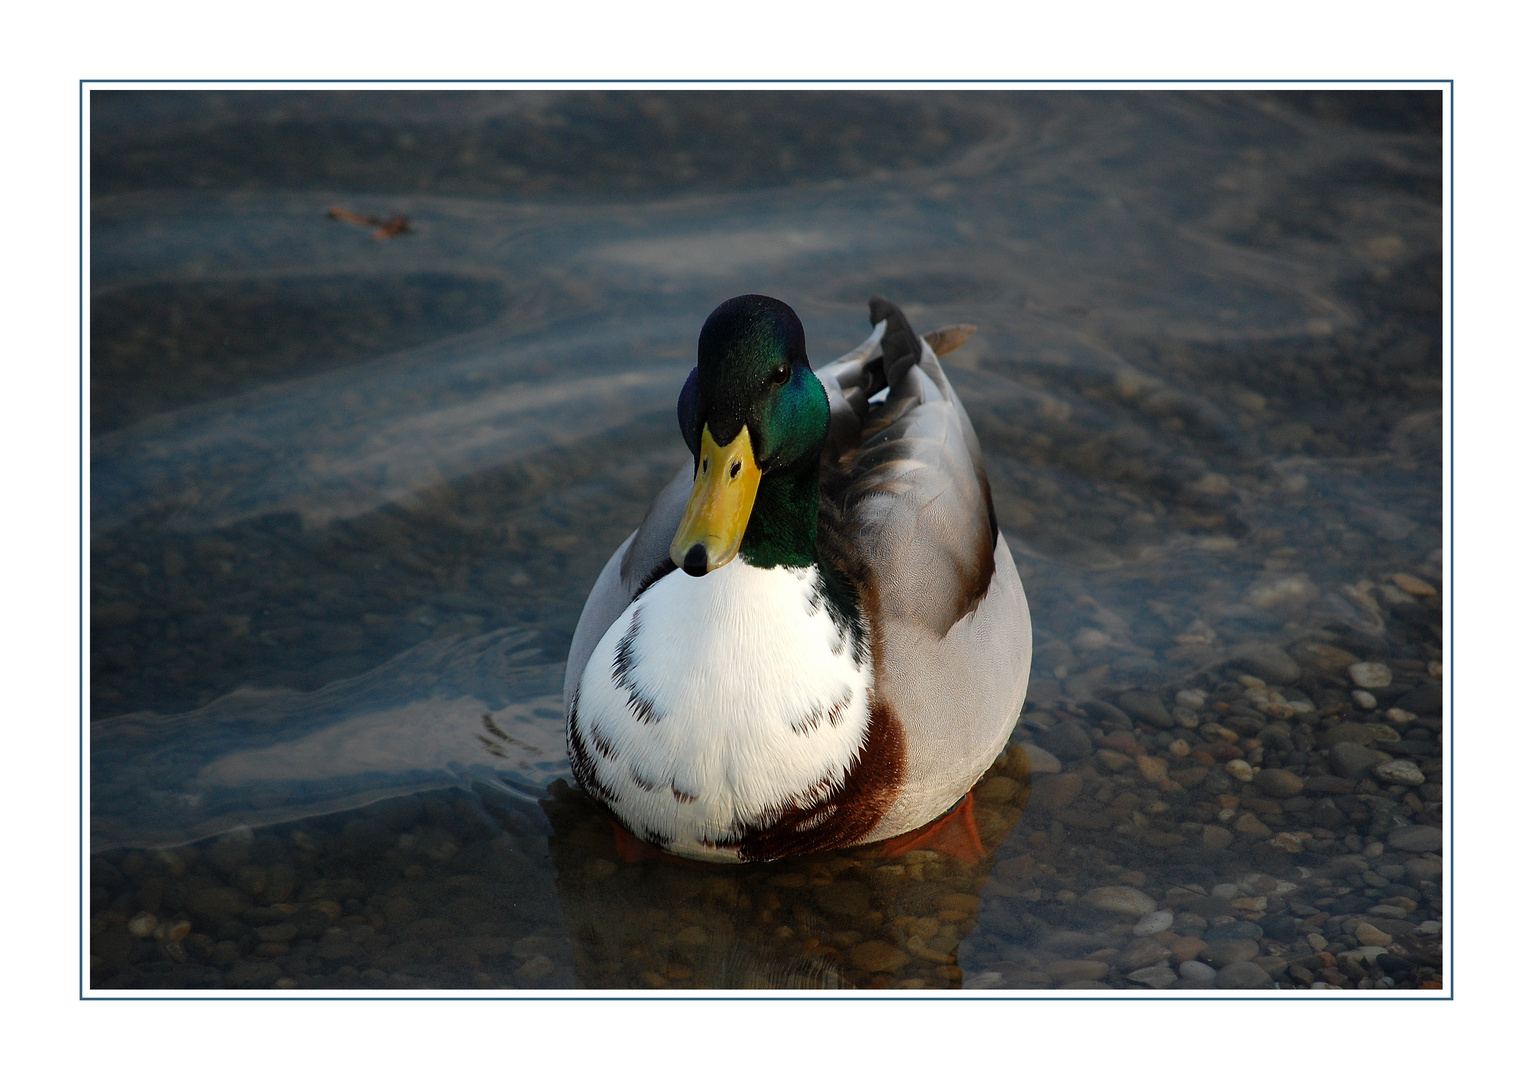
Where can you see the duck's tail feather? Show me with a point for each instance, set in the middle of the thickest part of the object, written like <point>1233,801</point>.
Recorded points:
<point>902,348</point>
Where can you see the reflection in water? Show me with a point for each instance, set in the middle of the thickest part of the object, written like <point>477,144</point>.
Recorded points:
<point>831,920</point>
<point>344,521</point>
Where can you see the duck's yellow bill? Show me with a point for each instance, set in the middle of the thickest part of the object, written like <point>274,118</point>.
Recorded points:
<point>723,492</point>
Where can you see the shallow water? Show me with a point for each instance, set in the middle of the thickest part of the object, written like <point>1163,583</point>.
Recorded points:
<point>348,495</point>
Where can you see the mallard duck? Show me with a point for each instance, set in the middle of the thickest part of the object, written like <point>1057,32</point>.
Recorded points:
<point>817,637</point>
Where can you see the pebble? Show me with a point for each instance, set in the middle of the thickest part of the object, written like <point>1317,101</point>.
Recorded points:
<point>1347,731</point>
<point>1121,741</point>
<point>1280,927</point>
<point>1120,899</point>
<point>1040,761</point>
<point>1142,953</point>
<point>1217,837</point>
<point>1179,748</point>
<point>1417,838</point>
<point>249,976</point>
<point>1147,707</point>
<point>1187,948</point>
<point>171,861</point>
<point>143,924</point>
<point>962,903</point>
<point>1399,771</point>
<point>878,956</point>
<point>1240,769</point>
<point>1065,971</point>
<point>1352,760</point>
<point>1113,760</point>
<point>1368,934</point>
<point>535,968</point>
<point>1066,942</point>
<point>1279,783</point>
<point>1248,824</point>
<point>1365,700</point>
<point>1327,658</point>
<point>1428,869</point>
<point>1366,952</point>
<point>1371,676</point>
<point>1242,975</point>
<point>1233,931</point>
<point>1067,740</point>
<point>1414,585</point>
<point>1156,977</point>
<point>1267,661</point>
<point>1222,953</point>
<point>1153,923</point>
<point>997,789</point>
<point>1197,971</point>
<point>1400,716</point>
<point>1190,699</point>
<point>1152,769</point>
<point>1056,792</point>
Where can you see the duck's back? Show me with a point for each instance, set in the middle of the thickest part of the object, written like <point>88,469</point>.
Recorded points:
<point>952,636</point>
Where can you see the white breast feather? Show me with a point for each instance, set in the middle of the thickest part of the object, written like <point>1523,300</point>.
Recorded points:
<point>755,700</point>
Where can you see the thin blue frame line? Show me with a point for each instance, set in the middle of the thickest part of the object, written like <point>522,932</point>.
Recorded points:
<point>630,82</point>
<point>1452,487</point>
<point>80,270</point>
<point>85,83</point>
<point>845,996</point>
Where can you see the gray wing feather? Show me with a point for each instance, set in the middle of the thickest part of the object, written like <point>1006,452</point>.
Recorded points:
<point>953,637</point>
<point>913,496</point>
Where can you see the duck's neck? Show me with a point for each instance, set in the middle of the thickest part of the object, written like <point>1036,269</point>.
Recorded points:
<point>782,527</point>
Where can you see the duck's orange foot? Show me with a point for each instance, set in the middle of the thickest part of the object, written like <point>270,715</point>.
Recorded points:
<point>954,833</point>
<point>633,850</point>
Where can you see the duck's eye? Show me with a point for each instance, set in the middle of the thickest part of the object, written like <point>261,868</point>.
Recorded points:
<point>780,374</point>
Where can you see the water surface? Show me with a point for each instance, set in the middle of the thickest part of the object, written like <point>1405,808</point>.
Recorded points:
<point>348,495</point>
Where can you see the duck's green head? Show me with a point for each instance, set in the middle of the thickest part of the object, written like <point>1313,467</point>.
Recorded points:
<point>754,417</point>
